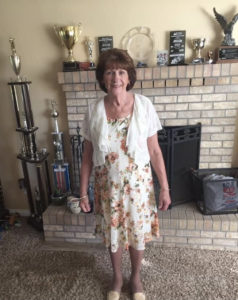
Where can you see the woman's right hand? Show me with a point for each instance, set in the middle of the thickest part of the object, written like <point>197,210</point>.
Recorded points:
<point>85,205</point>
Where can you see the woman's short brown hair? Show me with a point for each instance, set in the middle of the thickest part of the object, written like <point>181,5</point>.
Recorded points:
<point>115,58</point>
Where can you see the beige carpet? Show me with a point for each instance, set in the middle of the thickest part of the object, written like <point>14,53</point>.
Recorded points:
<point>27,272</point>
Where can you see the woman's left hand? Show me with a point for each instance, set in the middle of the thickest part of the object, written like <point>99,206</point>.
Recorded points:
<point>164,199</point>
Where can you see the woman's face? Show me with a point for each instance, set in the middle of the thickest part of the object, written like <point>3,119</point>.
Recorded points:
<point>115,80</point>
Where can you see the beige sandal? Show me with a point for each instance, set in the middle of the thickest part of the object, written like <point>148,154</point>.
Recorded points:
<point>113,295</point>
<point>138,296</point>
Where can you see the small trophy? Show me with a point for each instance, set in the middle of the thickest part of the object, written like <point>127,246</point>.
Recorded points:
<point>210,57</point>
<point>89,44</point>
<point>15,59</point>
<point>69,36</point>
<point>198,44</point>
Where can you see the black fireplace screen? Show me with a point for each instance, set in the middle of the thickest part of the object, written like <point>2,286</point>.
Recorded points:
<point>180,146</point>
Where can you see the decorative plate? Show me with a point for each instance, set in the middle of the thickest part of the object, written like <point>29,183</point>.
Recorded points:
<point>139,43</point>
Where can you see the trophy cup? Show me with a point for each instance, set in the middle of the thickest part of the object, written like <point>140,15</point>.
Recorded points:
<point>69,36</point>
<point>89,44</point>
<point>15,59</point>
<point>198,44</point>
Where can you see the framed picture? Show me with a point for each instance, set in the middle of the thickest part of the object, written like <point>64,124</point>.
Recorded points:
<point>162,57</point>
<point>177,47</point>
<point>105,43</point>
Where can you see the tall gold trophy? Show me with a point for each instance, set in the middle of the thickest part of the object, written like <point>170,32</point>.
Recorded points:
<point>69,36</point>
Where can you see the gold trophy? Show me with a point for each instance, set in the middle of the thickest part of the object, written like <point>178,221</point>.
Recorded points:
<point>15,59</point>
<point>198,44</point>
<point>69,36</point>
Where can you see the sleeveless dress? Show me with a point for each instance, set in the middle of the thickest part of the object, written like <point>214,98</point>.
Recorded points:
<point>125,206</point>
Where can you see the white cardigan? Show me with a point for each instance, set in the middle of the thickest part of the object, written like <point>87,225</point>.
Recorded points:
<point>144,123</point>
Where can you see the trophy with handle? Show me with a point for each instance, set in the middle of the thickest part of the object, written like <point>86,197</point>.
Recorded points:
<point>198,44</point>
<point>69,36</point>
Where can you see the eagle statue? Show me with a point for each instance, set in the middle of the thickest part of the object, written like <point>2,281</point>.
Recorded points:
<point>227,28</point>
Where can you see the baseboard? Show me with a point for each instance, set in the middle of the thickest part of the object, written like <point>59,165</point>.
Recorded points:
<point>21,212</point>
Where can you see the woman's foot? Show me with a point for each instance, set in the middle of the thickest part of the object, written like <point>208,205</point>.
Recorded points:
<point>113,295</point>
<point>138,296</point>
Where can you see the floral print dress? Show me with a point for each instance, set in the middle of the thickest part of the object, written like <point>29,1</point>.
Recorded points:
<point>125,206</point>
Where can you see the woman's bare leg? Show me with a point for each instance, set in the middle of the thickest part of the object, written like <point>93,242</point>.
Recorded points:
<point>117,280</point>
<point>136,259</point>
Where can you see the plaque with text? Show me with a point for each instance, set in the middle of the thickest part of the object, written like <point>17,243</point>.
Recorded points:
<point>105,43</point>
<point>177,47</point>
<point>226,54</point>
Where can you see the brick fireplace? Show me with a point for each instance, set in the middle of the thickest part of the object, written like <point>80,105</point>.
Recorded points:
<point>182,95</point>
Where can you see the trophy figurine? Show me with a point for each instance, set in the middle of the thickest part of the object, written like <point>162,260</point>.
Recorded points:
<point>198,44</point>
<point>15,59</point>
<point>227,28</point>
<point>89,44</point>
<point>228,51</point>
<point>69,36</point>
<point>210,57</point>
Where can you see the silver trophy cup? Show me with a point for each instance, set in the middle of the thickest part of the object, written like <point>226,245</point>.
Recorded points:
<point>198,44</point>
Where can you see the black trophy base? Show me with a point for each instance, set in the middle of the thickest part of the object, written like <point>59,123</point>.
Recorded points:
<point>226,54</point>
<point>92,66</point>
<point>141,65</point>
<point>71,66</point>
<point>35,222</point>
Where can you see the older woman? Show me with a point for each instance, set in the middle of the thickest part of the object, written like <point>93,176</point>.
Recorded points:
<point>121,143</point>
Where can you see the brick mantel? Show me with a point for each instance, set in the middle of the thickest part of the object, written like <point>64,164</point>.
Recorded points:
<point>182,95</point>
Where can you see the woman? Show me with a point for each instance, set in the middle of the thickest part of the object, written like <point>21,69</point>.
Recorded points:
<point>121,141</point>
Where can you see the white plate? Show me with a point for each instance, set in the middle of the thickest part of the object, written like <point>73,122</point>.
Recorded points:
<point>139,43</point>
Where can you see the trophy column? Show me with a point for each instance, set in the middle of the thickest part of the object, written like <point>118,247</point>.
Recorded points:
<point>34,163</point>
<point>60,168</point>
